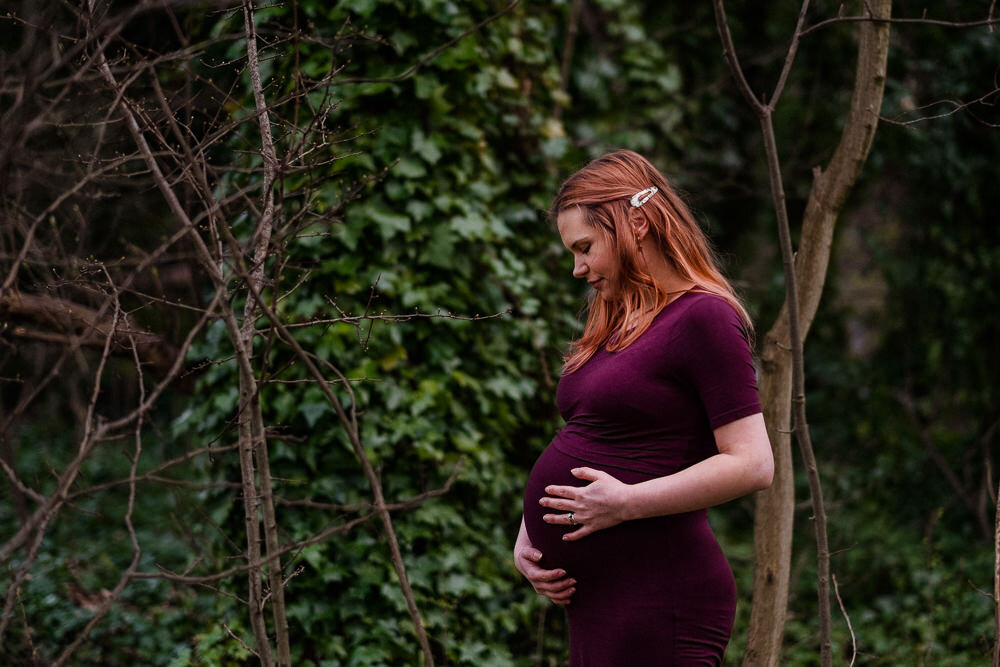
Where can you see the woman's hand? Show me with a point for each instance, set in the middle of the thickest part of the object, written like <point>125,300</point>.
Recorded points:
<point>601,504</point>
<point>553,584</point>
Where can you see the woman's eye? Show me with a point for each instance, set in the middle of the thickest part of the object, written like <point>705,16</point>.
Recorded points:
<point>586,250</point>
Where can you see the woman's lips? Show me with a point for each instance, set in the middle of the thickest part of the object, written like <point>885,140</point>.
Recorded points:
<point>597,283</point>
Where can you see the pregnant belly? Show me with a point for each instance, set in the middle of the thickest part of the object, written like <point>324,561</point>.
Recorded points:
<point>679,546</point>
<point>552,467</point>
<point>662,580</point>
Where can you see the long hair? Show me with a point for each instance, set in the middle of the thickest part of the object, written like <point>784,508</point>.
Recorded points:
<point>602,190</point>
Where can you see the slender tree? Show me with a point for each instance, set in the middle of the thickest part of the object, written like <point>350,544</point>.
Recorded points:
<point>782,373</point>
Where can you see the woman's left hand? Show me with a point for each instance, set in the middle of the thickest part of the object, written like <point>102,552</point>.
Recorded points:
<point>596,506</point>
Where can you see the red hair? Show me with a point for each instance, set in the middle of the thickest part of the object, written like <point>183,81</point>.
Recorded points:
<point>602,190</point>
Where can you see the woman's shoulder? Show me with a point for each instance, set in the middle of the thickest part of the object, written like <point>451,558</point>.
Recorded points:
<point>702,315</point>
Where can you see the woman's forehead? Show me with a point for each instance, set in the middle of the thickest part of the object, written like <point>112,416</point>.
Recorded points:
<point>572,226</point>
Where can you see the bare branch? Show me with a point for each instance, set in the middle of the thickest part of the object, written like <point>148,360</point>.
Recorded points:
<point>318,538</point>
<point>940,461</point>
<point>996,588</point>
<point>37,524</point>
<point>729,51</point>
<point>430,56</point>
<point>790,57</point>
<point>126,576</point>
<point>569,44</point>
<point>957,105</point>
<point>19,485</point>
<point>854,641</point>
<point>990,21</point>
<point>235,636</point>
<point>794,320</point>
<point>256,429</point>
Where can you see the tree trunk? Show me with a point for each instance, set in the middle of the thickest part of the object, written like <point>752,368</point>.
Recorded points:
<point>774,516</point>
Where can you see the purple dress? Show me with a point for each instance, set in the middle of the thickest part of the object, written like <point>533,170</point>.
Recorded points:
<point>654,591</point>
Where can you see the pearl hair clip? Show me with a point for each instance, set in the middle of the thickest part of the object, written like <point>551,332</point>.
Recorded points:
<point>643,196</point>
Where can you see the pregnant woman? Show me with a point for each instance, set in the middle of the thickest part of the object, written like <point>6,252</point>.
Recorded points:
<point>662,418</point>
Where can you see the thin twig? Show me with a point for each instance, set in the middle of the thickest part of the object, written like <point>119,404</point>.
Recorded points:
<point>569,44</point>
<point>37,524</point>
<point>790,56</point>
<point>322,536</point>
<point>349,422</point>
<point>126,576</point>
<point>854,641</point>
<point>957,105</point>
<point>990,21</point>
<point>240,640</point>
<point>430,56</point>
<point>996,588</point>
<point>27,629</point>
<point>214,270</point>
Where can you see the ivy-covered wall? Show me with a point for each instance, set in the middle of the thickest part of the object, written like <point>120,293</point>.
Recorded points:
<point>425,192</point>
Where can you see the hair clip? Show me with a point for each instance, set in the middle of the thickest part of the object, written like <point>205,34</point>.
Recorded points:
<point>642,196</point>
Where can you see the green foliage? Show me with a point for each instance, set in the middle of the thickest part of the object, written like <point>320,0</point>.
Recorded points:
<point>153,620</point>
<point>428,196</point>
<point>453,223</point>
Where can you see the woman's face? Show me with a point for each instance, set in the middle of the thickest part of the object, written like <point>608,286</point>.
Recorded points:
<point>593,257</point>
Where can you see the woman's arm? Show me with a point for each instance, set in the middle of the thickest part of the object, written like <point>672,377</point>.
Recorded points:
<point>743,465</point>
<point>553,584</point>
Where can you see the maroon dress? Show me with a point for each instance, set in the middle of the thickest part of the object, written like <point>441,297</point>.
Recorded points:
<point>653,591</point>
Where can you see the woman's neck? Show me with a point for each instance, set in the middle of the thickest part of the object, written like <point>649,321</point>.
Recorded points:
<point>664,273</point>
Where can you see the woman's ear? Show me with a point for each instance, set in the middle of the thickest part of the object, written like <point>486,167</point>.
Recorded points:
<point>640,227</point>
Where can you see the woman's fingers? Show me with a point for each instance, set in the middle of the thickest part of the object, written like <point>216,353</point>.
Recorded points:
<point>538,574</point>
<point>531,553</point>
<point>559,591</point>
<point>573,492</point>
<point>559,596</point>
<point>582,531</point>
<point>557,503</point>
<point>588,474</point>
<point>570,492</point>
<point>554,587</point>
<point>553,584</point>
<point>558,519</point>
<point>527,566</point>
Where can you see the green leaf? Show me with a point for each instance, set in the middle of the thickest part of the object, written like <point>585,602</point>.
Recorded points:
<point>426,148</point>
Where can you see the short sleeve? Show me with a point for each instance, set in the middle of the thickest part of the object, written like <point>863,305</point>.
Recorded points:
<point>714,354</point>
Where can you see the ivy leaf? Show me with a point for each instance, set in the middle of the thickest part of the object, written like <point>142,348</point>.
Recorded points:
<point>389,223</point>
<point>313,411</point>
<point>410,168</point>
<point>469,226</point>
<point>426,148</point>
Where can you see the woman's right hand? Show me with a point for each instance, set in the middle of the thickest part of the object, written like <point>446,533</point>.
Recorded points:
<point>553,584</point>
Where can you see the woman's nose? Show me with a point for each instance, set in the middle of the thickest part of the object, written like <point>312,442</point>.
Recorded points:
<point>579,268</point>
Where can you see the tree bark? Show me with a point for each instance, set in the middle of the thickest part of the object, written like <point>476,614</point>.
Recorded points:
<point>57,321</point>
<point>257,429</point>
<point>996,584</point>
<point>774,516</point>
